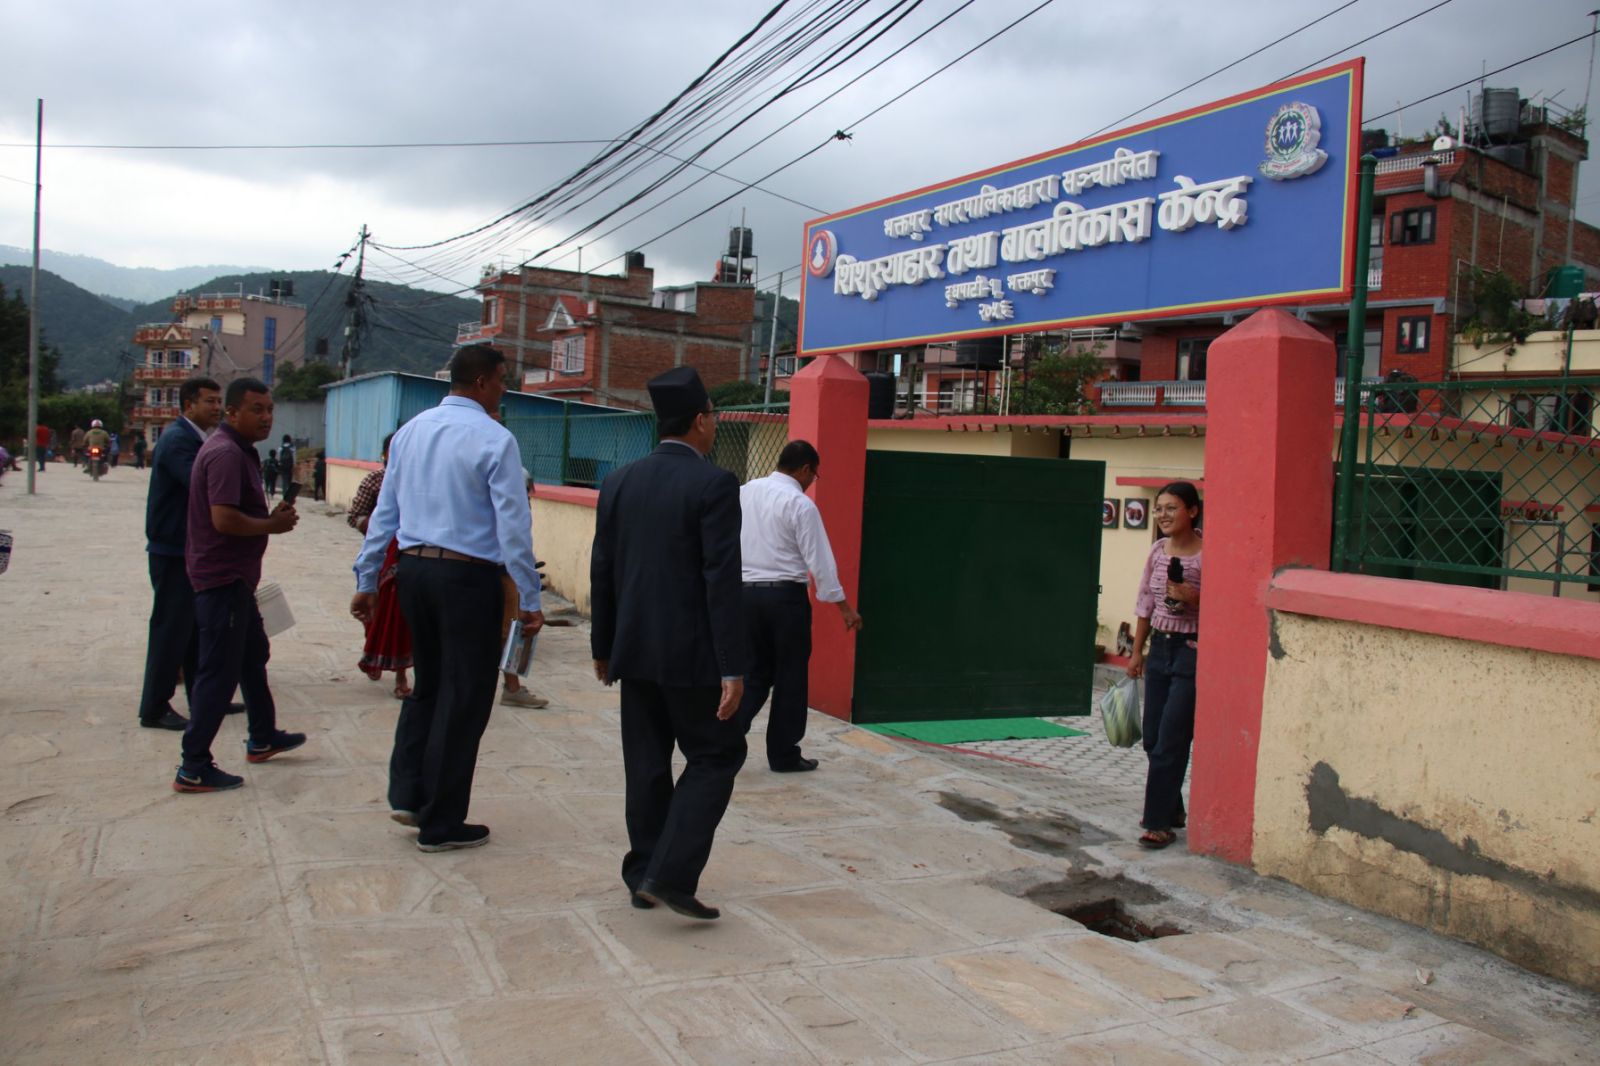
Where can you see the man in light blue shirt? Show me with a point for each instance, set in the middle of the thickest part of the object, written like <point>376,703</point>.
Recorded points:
<point>455,499</point>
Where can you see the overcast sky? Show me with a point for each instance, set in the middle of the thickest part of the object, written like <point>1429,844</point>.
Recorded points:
<point>178,73</point>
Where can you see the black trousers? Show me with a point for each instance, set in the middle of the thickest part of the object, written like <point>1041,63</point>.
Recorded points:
<point>233,655</point>
<point>778,620</point>
<point>174,642</point>
<point>671,825</point>
<point>1168,725</point>
<point>453,610</point>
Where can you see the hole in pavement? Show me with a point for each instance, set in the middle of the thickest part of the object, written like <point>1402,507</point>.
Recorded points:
<point>1101,904</point>
<point>1109,917</point>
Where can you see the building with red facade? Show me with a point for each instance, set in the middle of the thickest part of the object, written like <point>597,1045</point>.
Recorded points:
<point>600,338</point>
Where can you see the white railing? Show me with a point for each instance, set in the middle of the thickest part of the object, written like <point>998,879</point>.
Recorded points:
<point>1374,278</point>
<point>1399,163</point>
<point>1184,393</point>
<point>1130,393</point>
<point>1338,392</point>
<point>469,329</point>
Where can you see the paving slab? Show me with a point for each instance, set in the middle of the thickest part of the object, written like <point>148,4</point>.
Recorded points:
<point>889,908</point>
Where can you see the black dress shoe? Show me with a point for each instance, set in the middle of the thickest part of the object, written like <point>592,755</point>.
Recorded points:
<point>234,708</point>
<point>680,902</point>
<point>170,720</point>
<point>640,903</point>
<point>799,766</point>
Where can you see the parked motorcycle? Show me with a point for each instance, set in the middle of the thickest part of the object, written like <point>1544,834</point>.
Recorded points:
<point>97,462</point>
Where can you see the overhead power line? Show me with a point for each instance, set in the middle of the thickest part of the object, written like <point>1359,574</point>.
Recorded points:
<point>1479,77</point>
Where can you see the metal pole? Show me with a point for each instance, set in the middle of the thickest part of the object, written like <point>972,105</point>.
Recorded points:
<point>33,307</point>
<point>772,338</point>
<point>1355,348</point>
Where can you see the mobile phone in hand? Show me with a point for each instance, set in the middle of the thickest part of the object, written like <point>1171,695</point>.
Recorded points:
<point>291,491</point>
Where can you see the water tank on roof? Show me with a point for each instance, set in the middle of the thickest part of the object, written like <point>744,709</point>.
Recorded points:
<point>741,243</point>
<point>1565,283</point>
<point>1498,112</point>
<point>1371,139</point>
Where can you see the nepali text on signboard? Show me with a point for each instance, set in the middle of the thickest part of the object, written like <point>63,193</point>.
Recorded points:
<point>1246,202</point>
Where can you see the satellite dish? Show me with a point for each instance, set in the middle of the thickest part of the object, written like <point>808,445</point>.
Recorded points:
<point>1444,144</point>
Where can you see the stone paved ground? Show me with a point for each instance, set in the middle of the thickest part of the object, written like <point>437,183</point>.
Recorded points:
<point>872,909</point>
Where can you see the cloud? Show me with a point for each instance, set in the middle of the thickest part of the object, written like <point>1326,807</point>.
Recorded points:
<point>411,71</point>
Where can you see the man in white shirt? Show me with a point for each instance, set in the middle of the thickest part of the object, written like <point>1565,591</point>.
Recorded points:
<point>782,542</point>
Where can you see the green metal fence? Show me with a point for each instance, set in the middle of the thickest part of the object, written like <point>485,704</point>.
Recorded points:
<point>581,449</point>
<point>1490,483</point>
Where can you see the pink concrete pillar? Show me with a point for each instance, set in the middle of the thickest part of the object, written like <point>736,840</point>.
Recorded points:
<point>828,407</point>
<point>1268,505</point>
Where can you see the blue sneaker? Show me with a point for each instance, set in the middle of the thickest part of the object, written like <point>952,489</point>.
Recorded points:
<point>280,742</point>
<point>209,779</point>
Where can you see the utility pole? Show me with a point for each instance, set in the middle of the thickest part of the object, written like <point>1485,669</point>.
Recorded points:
<point>33,307</point>
<point>358,312</point>
<point>772,336</point>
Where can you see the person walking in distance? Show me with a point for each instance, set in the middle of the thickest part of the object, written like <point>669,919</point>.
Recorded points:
<point>75,444</point>
<point>664,581</point>
<point>139,448</point>
<point>174,643</point>
<point>453,497</point>
<point>228,529</point>
<point>1168,608</point>
<point>783,541</point>
<point>269,473</point>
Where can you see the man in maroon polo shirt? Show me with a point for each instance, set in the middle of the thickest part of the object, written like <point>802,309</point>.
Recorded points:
<point>228,529</point>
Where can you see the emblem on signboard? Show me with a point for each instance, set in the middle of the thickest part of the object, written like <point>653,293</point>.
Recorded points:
<point>1292,138</point>
<point>824,247</point>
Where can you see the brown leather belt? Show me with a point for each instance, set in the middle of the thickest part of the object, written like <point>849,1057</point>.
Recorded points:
<point>428,551</point>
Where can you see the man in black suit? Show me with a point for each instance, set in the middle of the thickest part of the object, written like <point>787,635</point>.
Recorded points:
<point>665,590</point>
<point>174,640</point>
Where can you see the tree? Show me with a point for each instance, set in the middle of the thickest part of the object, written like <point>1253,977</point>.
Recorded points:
<point>743,394</point>
<point>1058,384</point>
<point>14,367</point>
<point>304,382</point>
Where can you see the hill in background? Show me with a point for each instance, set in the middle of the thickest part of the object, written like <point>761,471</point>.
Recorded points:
<point>134,284</point>
<point>410,329</point>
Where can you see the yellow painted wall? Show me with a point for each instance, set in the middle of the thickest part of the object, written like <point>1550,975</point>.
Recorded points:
<point>1477,750</point>
<point>342,484</point>
<point>562,536</point>
<point>1541,353</point>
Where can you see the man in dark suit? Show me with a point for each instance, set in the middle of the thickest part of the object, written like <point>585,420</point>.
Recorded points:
<point>665,591</point>
<point>174,641</point>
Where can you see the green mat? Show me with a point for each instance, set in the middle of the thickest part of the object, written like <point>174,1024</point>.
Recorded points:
<point>965,731</point>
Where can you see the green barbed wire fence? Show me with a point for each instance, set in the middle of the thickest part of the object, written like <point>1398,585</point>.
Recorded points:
<point>1494,484</point>
<point>581,449</point>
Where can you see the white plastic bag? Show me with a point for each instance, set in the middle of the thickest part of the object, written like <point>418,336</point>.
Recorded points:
<point>1121,709</point>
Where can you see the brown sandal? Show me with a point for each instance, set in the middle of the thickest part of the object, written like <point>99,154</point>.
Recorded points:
<point>1156,839</point>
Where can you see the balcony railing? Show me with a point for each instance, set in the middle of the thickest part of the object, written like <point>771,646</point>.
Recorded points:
<point>161,373</point>
<point>468,330</point>
<point>151,411</point>
<point>1396,164</point>
<point>1375,278</point>
<point>1173,393</point>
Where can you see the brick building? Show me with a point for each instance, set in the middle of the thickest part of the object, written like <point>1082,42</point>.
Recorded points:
<point>1439,213</point>
<point>600,338</point>
<point>219,335</point>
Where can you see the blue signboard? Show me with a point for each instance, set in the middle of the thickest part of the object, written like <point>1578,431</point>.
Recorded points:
<point>1241,203</point>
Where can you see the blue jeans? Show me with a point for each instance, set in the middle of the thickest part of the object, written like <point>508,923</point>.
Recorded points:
<point>1168,725</point>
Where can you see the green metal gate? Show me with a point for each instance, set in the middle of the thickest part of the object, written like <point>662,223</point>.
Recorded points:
<point>979,585</point>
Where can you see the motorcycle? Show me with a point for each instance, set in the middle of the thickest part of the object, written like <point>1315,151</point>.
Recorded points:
<point>97,462</point>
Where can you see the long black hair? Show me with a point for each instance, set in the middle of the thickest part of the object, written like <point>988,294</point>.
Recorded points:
<point>1186,493</point>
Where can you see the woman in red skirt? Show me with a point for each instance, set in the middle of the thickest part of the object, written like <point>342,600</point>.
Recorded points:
<point>388,644</point>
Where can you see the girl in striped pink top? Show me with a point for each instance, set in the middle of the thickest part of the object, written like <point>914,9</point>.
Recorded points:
<point>1168,608</point>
